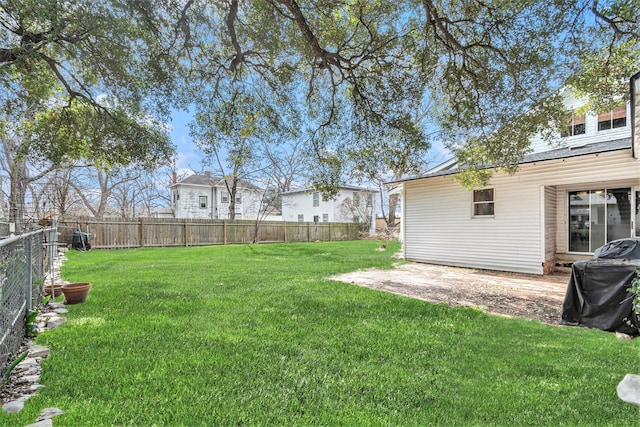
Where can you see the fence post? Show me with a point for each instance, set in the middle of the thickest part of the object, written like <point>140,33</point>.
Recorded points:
<point>28,272</point>
<point>285,231</point>
<point>141,232</point>
<point>52,242</point>
<point>308,232</point>
<point>329,231</point>
<point>186,239</point>
<point>224,231</point>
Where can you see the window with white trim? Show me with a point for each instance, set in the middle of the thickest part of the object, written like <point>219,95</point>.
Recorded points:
<point>325,217</point>
<point>356,198</point>
<point>575,127</point>
<point>300,217</point>
<point>616,118</point>
<point>203,202</point>
<point>316,199</point>
<point>483,202</point>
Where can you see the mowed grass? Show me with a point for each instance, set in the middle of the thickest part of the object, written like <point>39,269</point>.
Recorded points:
<point>257,335</point>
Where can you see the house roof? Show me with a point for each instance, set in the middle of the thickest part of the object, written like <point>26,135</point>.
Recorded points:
<point>213,181</point>
<point>560,153</point>
<point>342,187</point>
<point>167,210</point>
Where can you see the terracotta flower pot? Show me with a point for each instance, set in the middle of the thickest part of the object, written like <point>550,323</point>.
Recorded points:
<point>75,293</point>
<point>57,290</point>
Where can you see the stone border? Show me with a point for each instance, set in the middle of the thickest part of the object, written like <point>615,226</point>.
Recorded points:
<point>24,378</point>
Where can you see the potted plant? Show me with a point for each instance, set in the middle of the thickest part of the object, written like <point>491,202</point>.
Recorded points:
<point>75,293</point>
<point>56,288</point>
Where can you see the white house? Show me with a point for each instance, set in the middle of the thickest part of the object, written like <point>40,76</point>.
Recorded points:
<point>207,197</point>
<point>351,204</point>
<point>561,205</point>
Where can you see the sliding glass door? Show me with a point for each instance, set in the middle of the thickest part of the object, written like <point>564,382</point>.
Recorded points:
<point>598,216</point>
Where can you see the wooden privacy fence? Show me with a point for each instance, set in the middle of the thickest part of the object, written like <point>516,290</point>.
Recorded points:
<point>156,232</point>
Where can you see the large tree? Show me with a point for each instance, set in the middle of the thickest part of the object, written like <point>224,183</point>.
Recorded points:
<point>313,71</point>
<point>21,175</point>
<point>493,68</point>
<point>349,67</point>
<point>106,61</point>
<point>81,78</point>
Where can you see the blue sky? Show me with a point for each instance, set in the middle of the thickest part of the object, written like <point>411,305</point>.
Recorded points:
<point>188,156</point>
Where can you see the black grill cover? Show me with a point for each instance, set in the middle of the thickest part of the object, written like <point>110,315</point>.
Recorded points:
<point>597,295</point>
<point>80,241</point>
<point>628,249</point>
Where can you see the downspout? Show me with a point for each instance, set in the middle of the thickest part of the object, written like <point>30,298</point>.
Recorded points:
<point>403,210</point>
<point>543,229</point>
<point>213,201</point>
<point>372,227</point>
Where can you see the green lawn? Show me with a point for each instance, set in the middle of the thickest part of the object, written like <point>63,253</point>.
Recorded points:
<point>256,335</point>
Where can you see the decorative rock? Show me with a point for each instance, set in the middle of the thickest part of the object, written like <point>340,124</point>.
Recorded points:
<point>28,363</point>
<point>43,423</point>
<point>54,322</point>
<point>623,336</point>
<point>60,310</point>
<point>15,406</point>
<point>38,351</point>
<point>36,387</point>
<point>30,379</point>
<point>48,314</point>
<point>34,370</point>
<point>629,389</point>
<point>55,305</point>
<point>49,413</point>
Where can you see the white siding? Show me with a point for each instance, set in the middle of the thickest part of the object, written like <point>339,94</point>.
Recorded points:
<point>591,135</point>
<point>188,204</point>
<point>248,209</point>
<point>439,227</point>
<point>550,222</point>
<point>301,203</point>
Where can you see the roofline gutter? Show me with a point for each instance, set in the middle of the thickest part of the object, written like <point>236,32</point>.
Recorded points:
<point>634,82</point>
<point>455,172</point>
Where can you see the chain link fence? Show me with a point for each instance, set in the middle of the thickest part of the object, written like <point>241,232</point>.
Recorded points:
<point>25,261</point>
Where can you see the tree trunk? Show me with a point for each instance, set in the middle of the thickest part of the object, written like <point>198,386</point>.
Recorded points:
<point>19,177</point>
<point>393,202</point>
<point>232,196</point>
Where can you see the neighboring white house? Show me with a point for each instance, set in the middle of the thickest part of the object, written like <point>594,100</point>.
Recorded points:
<point>562,204</point>
<point>351,204</point>
<point>207,197</point>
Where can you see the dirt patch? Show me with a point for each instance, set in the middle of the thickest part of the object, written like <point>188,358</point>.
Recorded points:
<point>507,294</point>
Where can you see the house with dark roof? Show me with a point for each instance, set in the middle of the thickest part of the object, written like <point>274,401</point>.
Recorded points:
<point>564,202</point>
<point>207,197</point>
